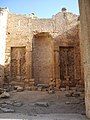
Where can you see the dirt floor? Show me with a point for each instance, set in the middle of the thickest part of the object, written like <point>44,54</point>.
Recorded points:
<point>33,103</point>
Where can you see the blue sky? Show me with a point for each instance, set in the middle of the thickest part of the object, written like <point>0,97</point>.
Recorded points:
<point>42,8</point>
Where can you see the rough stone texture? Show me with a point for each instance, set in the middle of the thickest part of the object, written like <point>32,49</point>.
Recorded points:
<point>38,37</point>
<point>43,58</point>
<point>85,48</point>
<point>42,104</point>
<point>21,30</point>
<point>5,95</point>
<point>65,46</point>
<point>3,25</point>
<point>7,110</point>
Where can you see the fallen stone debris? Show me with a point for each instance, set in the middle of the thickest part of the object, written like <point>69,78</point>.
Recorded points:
<point>19,88</point>
<point>7,110</point>
<point>17,104</point>
<point>5,95</point>
<point>73,94</point>
<point>42,87</point>
<point>51,91</point>
<point>42,104</point>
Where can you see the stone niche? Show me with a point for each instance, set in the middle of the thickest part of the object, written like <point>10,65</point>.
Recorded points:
<point>43,58</point>
<point>18,63</point>
<point>68,58</point>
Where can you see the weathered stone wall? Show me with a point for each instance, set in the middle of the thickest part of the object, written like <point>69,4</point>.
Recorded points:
<point>64,21</point>
<point>3,26</point>
<point>18,35</point>
<point>85,48</point>
<point>21,31</point>
<point>69,39</point>
<point>42,25</point>
<point>43,58</point>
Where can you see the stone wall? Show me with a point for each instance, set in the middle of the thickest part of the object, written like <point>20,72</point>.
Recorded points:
<point>20,33</point>
<point>3,26</point>
<point>70,41</point>
<point>43,58</point>
<point>85,48</point>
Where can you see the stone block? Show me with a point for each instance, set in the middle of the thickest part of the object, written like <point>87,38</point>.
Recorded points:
<point>5,95</point>
<point>42,104</point>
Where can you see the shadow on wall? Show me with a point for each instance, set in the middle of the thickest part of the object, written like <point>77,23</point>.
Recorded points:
<point>1,75</point>
<point>7,73</point>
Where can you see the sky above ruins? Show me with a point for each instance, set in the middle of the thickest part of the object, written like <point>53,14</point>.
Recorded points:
<point>42,8</point>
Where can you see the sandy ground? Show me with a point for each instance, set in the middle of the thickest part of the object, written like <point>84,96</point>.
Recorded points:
<point>14,116</point>
<point>58,105</point>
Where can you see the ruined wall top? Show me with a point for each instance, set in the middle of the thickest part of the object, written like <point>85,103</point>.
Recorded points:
<point>4,9</point>
<point>30,23</point>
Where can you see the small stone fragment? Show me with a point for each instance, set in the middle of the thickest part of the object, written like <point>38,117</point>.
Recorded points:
<point>8,102</point>
<point>39,88</point>
<point>67,102</point>
<point>62,89</point>
<point>5,95</point>
<point>3,105</point>
<point>43,85</point>
<point>1,90</point>
<point>68,93</point>
<point>19,89</point>
<point>76,94</point>
<point>51,91</point>
<point>42,104</point>
<point>17,104</point>
<point>7,110</point>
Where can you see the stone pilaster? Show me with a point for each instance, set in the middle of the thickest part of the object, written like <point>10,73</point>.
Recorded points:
<point>85,48</point>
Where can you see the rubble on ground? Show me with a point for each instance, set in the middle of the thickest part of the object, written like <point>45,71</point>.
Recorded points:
<point>7,110</point>
<point>52,91</point>
<point>41,87</point>
<point>42,104</point>
<point>17,104</point>
<point>5,95</point>
<point>18,88</point>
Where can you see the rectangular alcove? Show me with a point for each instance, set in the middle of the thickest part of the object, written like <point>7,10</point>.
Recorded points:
<point>18,63</point>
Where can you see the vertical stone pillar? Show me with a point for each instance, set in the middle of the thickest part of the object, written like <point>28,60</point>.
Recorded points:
<point>57,64</point>
<point>29,62</point>
<point>85,48</point>
<point>3,26</point>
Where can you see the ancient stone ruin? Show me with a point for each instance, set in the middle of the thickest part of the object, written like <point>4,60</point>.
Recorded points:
<point>39,51</point>
<point>51,55</point>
